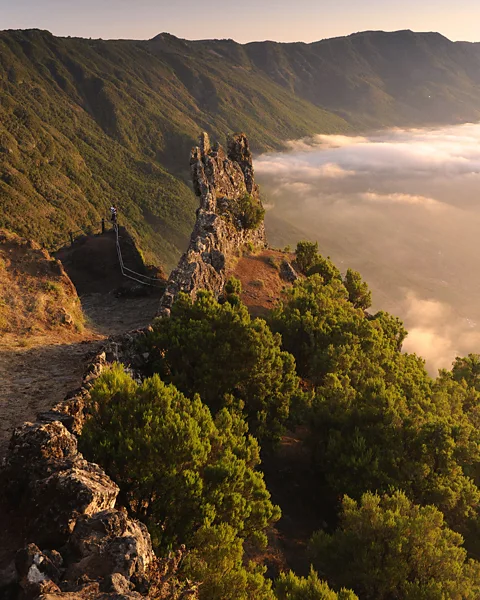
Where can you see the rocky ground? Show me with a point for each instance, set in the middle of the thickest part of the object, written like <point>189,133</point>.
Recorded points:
<point>262,279</point>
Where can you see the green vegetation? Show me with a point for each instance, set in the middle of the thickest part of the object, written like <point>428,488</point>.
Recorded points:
<point>189,477</point>
<point>217,560</point>
<point>35,293</point>
<point>310,262</point>
<point>387,459</point>
<point>218,351</point>
<point>390,549</point>
<point>247,212</point>
<point>88,123</point>
<point>146,462</point>
<point>291,587</point>
<point>358,292</point>
<point>84,123</point>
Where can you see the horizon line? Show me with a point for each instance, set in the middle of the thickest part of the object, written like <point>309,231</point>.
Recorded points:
<point>257,41</point>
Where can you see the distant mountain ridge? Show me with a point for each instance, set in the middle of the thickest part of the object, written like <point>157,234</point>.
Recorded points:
<point>84,123</point>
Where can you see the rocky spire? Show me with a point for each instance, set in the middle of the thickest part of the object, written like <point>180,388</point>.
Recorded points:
<point>220,180</point>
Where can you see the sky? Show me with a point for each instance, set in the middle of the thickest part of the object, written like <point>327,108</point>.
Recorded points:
<point>241,20</point>
<point>402,208</point>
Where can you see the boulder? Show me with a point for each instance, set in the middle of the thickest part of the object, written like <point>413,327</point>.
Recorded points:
<point>37,573</point>
<point>109,542</point>
<point>287,272</point>
<point>36,451</point>
<point>61,498</point>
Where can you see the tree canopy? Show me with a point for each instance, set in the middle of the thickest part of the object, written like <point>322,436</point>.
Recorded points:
<point>217,350</point>
<point>387,548</point>
<point>178,468</point>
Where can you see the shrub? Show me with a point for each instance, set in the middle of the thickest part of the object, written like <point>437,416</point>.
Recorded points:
<point>325,268</point>
<point>388,548</point>
<point>218,351</point>
<point>290,587</point>
<point>178,469</point>
<point>217,562</point>
<point>358,293</point>
<point>306,255</point>
<point>249,211</point>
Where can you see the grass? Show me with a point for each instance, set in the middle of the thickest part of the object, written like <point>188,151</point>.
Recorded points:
<point>87,123</point>
<point>257,283</point>
<point>35,295</point>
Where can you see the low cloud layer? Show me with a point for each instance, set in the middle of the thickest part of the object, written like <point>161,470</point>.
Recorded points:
<point>403,208</point>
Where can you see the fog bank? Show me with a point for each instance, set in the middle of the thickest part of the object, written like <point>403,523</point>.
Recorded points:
<point>403,208</point>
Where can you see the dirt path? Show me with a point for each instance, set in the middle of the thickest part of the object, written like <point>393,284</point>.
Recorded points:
<point>37,372</point>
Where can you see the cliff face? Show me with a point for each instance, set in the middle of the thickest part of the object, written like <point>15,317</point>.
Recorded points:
<point>221,181</point>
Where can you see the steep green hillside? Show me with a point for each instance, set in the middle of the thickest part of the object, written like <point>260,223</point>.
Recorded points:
<point>376,78</point>
<point>84,123</point>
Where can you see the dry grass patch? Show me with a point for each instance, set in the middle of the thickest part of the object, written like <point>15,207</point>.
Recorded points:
<point>36,295</point>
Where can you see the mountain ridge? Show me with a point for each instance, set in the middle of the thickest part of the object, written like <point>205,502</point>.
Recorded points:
<point>86,123</point>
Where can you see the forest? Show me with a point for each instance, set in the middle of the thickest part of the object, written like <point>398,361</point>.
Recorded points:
<point>392,454</point>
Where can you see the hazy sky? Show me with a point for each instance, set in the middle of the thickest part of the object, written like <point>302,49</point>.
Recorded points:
<point>242,20</point>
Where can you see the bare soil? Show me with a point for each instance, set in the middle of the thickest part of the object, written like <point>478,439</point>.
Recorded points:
<point>37,372</point>
<point>260,277</point>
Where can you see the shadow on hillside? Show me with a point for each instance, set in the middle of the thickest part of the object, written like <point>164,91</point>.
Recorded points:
<point>108,315</point>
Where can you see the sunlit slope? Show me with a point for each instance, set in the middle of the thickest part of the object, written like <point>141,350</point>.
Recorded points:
<point>85,123</point>
<point>376,78</point>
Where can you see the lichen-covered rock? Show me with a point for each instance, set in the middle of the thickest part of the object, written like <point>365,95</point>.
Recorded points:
<point>35,452</point>
<point>73,411</point>
<point>219,180</point>
<point>109,542</point>
<point>60,499</point>
<point>37,574</point>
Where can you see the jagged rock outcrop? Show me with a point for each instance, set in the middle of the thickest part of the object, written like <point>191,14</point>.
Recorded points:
<point>287,272</point>
<point>220,180</point>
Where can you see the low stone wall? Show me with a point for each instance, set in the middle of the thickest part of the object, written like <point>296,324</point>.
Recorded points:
<point>78,544</point>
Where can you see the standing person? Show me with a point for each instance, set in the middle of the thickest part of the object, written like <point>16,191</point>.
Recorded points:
<point>113,214</point>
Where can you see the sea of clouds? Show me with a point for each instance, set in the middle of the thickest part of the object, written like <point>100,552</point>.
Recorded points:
<point>403,208</point>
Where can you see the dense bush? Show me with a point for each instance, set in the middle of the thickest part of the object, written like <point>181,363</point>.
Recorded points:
<point>358,292</point>
<point>373,420</point>
<point>388,548</point>
<point>290,587</point>
<point>378,420</point>
<point>306,254</point>
<point>218,351</point>
<point>217,560</point>
<point>247,211</point>
<point>177,467</point>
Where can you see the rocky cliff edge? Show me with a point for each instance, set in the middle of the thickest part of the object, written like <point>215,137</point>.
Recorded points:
<point>222,181</point>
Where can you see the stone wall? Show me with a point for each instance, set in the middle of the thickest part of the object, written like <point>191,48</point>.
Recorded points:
<point>219,179</point>
<point>77,545</point>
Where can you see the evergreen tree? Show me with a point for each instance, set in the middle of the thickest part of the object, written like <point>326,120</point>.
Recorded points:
<point>388,548</point>
<point>177,468</point>
<point>218,351</point>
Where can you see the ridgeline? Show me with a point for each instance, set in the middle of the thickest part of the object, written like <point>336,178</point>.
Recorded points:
<point>84,123</point>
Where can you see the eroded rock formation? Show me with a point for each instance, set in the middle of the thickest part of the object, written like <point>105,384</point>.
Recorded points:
<point>220,179</point>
